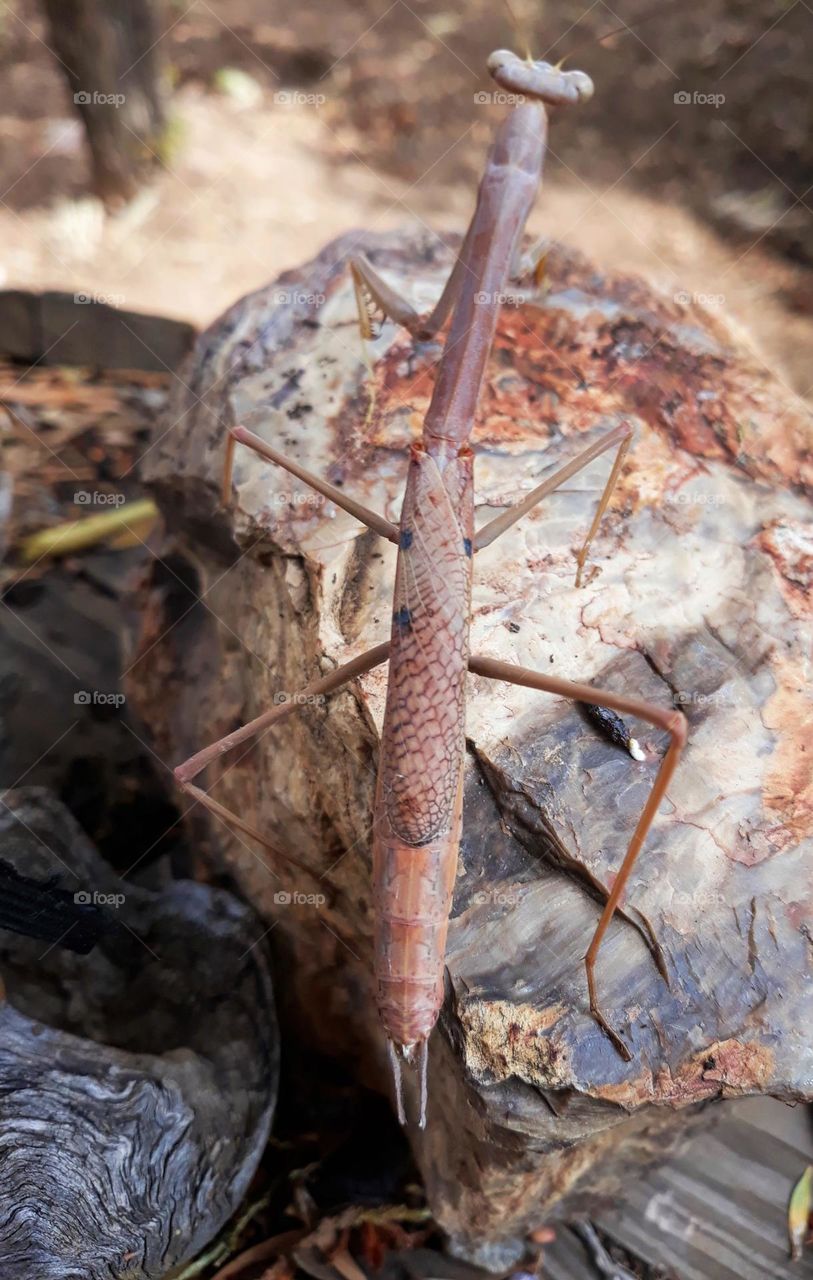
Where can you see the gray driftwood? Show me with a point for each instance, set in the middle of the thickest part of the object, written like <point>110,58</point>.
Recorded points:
<point>137,1083</point>
<point>697,595</point>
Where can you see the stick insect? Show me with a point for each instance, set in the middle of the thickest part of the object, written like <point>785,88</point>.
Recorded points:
<point>418,800</point>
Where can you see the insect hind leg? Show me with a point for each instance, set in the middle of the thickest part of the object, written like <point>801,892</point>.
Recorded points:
<point>674,723</point>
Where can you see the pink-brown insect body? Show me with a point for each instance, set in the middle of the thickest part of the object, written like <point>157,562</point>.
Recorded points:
<point>419,794</point>
<point>418,806</point>
<point>507,190</point>
<point>418,801</point>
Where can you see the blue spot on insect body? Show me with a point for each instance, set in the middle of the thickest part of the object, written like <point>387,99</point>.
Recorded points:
<point>403,618</point>
<point>467,546</point>
<point>405,540</point>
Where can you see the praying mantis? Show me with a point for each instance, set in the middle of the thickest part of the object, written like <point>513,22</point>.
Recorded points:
<point>417,813</point>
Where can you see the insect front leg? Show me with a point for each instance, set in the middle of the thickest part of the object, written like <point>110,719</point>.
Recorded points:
<point>674,723</point>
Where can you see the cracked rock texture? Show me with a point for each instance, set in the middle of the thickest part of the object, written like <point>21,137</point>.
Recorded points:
<point>697,594</point>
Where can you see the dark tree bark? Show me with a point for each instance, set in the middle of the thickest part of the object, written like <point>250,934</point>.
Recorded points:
<point>111,54</point>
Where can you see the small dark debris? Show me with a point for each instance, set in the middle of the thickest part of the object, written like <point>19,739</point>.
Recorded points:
<point>609,722</point>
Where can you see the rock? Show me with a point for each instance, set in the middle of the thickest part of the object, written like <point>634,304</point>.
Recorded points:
<point>695,596</point>
<point>154,1059</point>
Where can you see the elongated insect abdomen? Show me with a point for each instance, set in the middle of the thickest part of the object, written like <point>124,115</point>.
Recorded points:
<point>418,798</point>
<point>414,888</point>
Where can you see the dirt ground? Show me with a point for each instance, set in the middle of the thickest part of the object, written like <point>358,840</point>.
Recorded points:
<point>366,115</point>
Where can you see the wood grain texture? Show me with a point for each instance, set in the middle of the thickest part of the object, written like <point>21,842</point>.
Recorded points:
<point>719,1208</point>
<point>137,1083</point>
<point>696,595</point>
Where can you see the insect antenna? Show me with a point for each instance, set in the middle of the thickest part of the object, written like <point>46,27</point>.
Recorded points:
<point>520,29</point>
<point>655,12</point>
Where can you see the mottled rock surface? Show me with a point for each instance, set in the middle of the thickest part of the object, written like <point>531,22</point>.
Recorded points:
<point>697,595</point>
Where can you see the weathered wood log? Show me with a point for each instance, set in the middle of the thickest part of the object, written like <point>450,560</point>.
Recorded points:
<point>697,595</point>
<point>137,1083</point>
<point>54,328</point>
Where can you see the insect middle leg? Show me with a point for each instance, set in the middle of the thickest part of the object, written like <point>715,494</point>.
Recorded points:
<point>674,722</point>
<point>242,435</point>
<point>184,773</point>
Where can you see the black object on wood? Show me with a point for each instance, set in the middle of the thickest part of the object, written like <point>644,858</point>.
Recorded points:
<point>110,53</point>
<point>40,909</point>
<point>137,1084</point>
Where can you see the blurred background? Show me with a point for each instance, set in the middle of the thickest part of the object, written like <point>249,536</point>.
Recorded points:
<point>248,133</point>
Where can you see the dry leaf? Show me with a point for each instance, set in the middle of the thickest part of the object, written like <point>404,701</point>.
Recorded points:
<point>799,1209</point>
